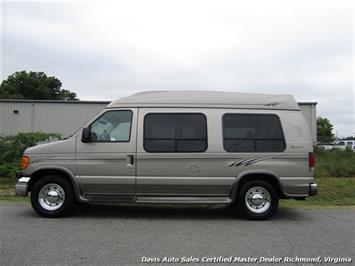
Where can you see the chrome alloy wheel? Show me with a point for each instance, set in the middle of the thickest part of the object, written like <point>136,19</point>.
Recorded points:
<point>51,197</point>
<point>258,199</point>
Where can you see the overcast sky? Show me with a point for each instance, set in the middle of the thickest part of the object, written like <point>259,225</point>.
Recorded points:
<point>106,50</point>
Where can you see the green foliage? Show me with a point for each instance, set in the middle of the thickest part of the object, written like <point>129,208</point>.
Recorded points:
<point>10,169</point>
<point>335,163</point>
<point>333,193</point>
<point>12,148</point>
<point>324,130</point>
<point>34,86</point>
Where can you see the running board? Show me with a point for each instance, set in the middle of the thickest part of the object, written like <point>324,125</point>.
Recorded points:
<point>184,200</point>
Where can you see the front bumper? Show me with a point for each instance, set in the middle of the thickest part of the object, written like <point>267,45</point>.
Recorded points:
<point>21,186</point>
<point>313,189</point>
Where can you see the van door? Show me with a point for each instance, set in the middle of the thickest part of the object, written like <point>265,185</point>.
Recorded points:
<point>106,164</point>
<point>172,155</point>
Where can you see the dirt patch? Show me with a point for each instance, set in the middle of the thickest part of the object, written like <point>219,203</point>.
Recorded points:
<point>7,191</point>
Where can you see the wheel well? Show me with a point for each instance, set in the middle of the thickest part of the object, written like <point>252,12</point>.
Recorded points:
<point>264,177</point>
<point>37,175</point>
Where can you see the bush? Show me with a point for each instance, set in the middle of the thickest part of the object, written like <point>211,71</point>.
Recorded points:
<point>12,148</point>
<point>11,170</point>
<point>335,163</point>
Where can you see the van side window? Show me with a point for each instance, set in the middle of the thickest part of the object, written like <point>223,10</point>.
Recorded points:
<point>175,132</point>
<point>112,126</point>
<point>252,133</point>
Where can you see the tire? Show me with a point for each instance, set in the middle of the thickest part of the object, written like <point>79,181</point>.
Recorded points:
<point>257,200</point>
<point>52,196</point>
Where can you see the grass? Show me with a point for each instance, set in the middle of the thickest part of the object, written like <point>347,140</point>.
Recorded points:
<point>334,193</point>
<point>335,163</point>
<point>7,191</point>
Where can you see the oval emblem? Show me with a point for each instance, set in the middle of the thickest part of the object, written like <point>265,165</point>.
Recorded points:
<point>194,169</point>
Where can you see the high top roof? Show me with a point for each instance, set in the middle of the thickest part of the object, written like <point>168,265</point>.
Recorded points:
<point>207,99</point>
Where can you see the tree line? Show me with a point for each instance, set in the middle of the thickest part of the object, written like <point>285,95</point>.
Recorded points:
<point>34,86</point>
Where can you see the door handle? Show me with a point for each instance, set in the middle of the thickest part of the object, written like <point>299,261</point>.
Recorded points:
<point>130,160</point>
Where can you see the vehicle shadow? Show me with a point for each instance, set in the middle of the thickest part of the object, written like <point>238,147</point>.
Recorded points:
<point>175,212</point>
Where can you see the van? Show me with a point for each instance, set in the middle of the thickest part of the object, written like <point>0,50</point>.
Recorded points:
<point>178,147</point>
<point>344,144</point>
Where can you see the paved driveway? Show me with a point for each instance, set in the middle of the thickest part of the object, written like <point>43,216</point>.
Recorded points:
<point>122,235</point>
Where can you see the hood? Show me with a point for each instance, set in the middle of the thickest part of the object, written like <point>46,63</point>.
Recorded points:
<point>61,146</point>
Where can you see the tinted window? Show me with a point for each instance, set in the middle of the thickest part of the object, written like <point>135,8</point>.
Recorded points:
<point>252,133</point>
<point>175,132</point>
<point>112,126</point>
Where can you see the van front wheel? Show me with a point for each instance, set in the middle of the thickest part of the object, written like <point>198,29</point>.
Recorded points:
<point>257,200</point>
<point>51,196</point>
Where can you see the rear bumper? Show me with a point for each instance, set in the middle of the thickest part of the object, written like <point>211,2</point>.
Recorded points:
<point>296,187</point>
<point>313,189</point>
<point>21,187</point>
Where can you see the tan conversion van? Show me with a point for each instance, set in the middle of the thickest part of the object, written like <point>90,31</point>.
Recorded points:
<point>246,150</point>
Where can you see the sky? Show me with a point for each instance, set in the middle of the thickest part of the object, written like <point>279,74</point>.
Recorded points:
<point>105,50</point>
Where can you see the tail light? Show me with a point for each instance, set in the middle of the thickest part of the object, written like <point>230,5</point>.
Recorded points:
<point>24,162</point>
<point>311,161</point>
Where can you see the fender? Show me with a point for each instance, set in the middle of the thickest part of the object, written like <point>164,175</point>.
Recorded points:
<point>244,174</point>
<point>73,180</point>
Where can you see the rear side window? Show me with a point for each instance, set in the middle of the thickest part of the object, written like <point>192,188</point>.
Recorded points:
<point>175,132</point>
<point>252,133</point>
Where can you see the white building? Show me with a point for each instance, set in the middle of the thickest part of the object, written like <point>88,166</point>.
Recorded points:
<point>65,117</point>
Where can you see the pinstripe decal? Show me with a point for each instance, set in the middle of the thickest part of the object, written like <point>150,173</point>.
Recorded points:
<point>250,161</point>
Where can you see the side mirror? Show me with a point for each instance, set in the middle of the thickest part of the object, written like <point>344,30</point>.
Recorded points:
<point>86,135</point>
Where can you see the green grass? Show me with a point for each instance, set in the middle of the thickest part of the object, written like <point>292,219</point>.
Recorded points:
<point>334,193</point>
<point>13,198</point>
<point>7,191</point>
<point>335,163</point>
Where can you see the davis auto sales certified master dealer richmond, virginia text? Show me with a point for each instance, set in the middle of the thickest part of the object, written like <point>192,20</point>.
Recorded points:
<point>237,259</point>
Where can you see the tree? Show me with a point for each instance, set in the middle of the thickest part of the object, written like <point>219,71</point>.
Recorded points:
<point>324,130</point>
<point>34,86</point>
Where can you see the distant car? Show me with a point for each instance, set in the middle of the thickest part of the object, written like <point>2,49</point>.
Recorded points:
<point>326,147</point>
<point>342,145</point>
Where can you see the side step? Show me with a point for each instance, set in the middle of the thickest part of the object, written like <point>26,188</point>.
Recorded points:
<point>184,200</point>
<point>109,198</point>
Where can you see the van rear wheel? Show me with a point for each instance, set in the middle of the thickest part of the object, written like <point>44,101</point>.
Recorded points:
<point>52,196</point>
<point>257,200</point>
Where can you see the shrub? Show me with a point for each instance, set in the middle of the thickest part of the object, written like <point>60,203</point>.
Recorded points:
<point>11,170</point>
<point>335,163</point>
<point>12,148</point>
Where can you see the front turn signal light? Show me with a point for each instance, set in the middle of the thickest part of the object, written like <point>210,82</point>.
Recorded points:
<point>24,162</point>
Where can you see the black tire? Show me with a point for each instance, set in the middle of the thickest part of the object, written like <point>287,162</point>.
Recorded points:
<point>249,210</point>
<point>63,185</point>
